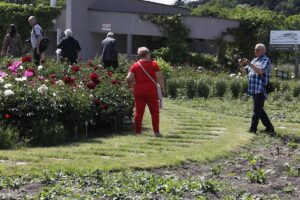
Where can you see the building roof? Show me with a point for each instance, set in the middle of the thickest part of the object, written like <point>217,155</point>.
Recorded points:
<point>137,6</point>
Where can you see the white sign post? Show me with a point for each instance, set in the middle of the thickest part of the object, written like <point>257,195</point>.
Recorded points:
<point>286,40</point>
<point>285,37</point>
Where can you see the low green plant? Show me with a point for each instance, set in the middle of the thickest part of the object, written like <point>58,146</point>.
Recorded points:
<point>293,145</point>
<point>190,88</point>
<point>172,86</point>
<point>217,169</point>
<point>203,88</point>
<point>296,90</point>
<point>220,88</point>
<point>8,137</point>
<point>257,176</point>
<point>235,88</point>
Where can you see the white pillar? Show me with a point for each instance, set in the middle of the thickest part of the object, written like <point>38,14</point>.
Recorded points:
<point>129,44</point>
<point>53,3</point>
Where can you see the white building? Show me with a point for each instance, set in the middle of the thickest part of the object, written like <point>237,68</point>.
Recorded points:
<point>90,20</point>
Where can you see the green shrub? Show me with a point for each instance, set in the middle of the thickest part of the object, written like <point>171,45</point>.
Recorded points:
<point>220,88</point>
<point>285,86</point>
<point>47,106</point>
<point>244,88</point>
<point>203,88</point>
<point>165,67</point>
<point>190,88</point>
<point>235,88</point>
<point>172,86</point>
<point>124,64</point>
<point>207,61</point>
<point>296,90</point>
<point>276,84</point>
<point>8,138</point>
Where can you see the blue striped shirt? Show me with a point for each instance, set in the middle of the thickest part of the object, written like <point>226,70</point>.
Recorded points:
<point>257,83</point>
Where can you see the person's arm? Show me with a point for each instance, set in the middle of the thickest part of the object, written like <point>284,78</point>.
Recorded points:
<point>4,46</point>
<point>161,80</point>
<point>130,79</point>
<point>256,69</point>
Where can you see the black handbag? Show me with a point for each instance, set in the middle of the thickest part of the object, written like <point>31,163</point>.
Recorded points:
<point>270,88</point>
<point>45,42</point>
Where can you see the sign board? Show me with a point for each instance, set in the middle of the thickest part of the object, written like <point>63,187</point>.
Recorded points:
<point>281,47</point>
<point>285,37</point>
<point>106,27</point>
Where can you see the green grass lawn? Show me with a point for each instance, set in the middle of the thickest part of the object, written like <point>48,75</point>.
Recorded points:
<point>189,135</point>
<point>284,114</point>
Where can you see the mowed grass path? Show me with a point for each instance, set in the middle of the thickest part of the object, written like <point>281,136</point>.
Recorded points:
<point>189,135</point>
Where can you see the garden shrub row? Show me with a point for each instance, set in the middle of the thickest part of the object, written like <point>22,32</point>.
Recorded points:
<point>50,103</point>
<point>208,85</point>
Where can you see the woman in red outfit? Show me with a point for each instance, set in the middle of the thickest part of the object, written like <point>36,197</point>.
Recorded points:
<point>145,91</point>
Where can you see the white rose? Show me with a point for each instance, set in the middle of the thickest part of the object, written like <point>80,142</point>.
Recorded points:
<point>8,85</point>
<point>24,78</point>
<point>60,82</point>
<point>40,68</point>
<point>21,67</point>
<point>42,89</point>
<point>8,93</point>
<point>1,80</point>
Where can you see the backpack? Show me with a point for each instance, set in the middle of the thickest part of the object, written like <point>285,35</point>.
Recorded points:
<point>45,42</point>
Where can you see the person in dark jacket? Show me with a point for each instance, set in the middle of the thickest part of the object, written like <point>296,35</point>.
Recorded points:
<point>69,47</point>
<point>108,51</point>
<point>12,44</point>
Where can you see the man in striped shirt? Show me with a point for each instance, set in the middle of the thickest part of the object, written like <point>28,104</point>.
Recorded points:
<point>259,71</point>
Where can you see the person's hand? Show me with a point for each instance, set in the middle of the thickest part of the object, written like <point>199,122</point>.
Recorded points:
<point>245,61</point>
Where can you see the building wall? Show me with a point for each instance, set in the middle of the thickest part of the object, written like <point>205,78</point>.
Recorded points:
<point>86,24</point>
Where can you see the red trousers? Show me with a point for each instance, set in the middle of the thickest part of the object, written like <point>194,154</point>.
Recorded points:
<point>151,100</point>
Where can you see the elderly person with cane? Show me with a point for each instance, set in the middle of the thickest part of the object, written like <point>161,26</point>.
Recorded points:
<point>143,77</point>
<point>259,71</point>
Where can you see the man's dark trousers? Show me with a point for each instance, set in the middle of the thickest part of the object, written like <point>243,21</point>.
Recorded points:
<point>259,113</point>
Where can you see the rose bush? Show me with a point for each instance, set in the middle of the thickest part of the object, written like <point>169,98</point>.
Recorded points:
<point>49,103</point>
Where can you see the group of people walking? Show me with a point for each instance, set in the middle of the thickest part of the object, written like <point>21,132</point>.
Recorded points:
<point>144,74</point>
<point>68,47</point>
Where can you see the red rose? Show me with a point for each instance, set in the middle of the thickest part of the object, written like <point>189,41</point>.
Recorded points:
<point>97,102</point>
<point>94,76</point>
<point>75,68</point>
<point>69,80</point>
<point>104,106</point>
<point>115,82</point>
<point>26,58</point>
<point>97,81</point>
<point>52,76</point>
<point>109,73</point>
<point>7,116</point>
<point>30,69</point>
<point>91,85</point>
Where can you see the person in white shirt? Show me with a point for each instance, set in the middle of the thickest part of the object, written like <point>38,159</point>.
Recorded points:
<point>36,38</point>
